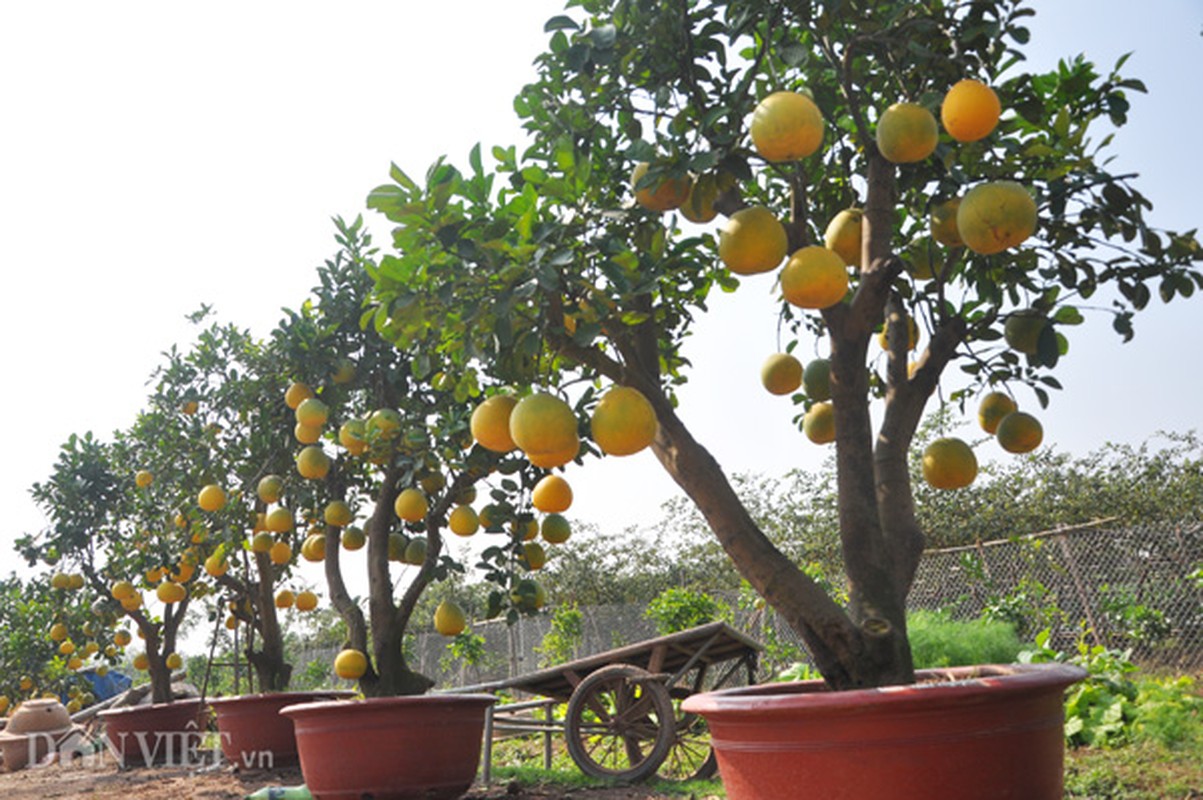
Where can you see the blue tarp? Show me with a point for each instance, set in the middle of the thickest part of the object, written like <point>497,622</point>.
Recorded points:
<point>107,685</point>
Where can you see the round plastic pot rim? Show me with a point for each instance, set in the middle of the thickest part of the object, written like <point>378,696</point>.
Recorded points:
<point>183,701</point>
<point>950,684</point>
<point>338,706</point>
<point>316,696</point>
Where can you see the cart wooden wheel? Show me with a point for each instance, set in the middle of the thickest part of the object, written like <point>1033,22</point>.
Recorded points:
<point>620,723</point>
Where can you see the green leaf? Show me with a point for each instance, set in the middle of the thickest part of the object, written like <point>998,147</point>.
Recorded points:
<point>560,22</point>
<point>1068,315</point>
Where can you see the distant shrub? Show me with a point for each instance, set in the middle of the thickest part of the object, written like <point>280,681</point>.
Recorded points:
<point>937,640</point>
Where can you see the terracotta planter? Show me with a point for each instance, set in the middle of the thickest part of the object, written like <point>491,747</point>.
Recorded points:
<point>253,733</point>
<point>35,728</point>
<point>989,732</point>
<point>392,748</point>
<point>161,733</point>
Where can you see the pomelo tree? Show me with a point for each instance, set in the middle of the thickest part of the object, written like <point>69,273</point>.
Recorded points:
<point>889,168</point>
<point>155,518</point>
<point>390,470</point>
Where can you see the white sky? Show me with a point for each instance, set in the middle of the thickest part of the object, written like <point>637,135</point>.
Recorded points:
<point>159,155</point>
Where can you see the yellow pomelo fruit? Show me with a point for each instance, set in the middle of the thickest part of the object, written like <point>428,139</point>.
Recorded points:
<point>58,632</point>
<point>312,413</point>
<point>174,661</point>
<point>555,529</point>
<point>313,463</point>
<point>781,373</point>
<point>279,520</point>
<point>449,619</point>
<point>383,424</point>
<point>350,665</point>
<point>699,204</point>
<point>354,538</point>
<point>211,498</point>
<point>490,423</point>
<point>262,542</point>
<point>353,436</point>
<point>994,216</point>
<point>285,598</point>
<point>949,463</point>
<point>994,406</point>
<point>170,592</point>
<point>122,590</point>
<point>60,580</point>
<point>280,553</point>
<point>786,126</point>
<point>970,110</point>
<point>344,371</point>
<point>411,505</point>
<point>216,565</point>
<point>122,637</point>
<point>816,379</point>
<point>313,549</point>
<point>1022,330</point>
<point>67,647</point>
<point>818,424</point>
<point>306,601</point>
<point>337,513</point>
<point>307,434</point>
<point>944,223</point>
<point>552,494</point>
<point>270,488</point>
<point>814,277</point>
<point>623,422</point>
<point>534,557</point>
<point>296,394</point>
<point>141,662</point>
<point>463,521</point>
<point>667,193</point>
<point>906,133</point>
<point>1019,432</point>
<point>527,595</point>
<point>75,581</point>
<point>843,235</point>
<point>542,424</point>
<point>752,241</point>
<point>190,407</point>
<point>143,478</point>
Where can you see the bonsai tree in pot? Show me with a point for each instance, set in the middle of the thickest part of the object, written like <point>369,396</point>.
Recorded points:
<point>888,168</point>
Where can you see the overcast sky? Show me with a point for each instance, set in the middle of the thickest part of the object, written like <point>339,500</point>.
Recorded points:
<point>159,155</point>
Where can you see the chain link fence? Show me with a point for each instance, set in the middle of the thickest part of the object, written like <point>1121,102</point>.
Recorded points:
<point>1118,587</point>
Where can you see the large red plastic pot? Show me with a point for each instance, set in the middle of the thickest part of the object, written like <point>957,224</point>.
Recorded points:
<point>988,732</point>
<point>391,748</point>
<point>252,731</point>
<point>161,733</point>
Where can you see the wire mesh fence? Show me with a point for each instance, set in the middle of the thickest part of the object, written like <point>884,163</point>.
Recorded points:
<point>1120,587</point>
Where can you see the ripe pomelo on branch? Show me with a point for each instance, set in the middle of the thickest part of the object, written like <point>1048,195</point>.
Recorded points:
<point>786,126</point>
<point>551,494</point>
<point>662,194</point>
<point>752,241</point>
<point>843,235</point>
<point>994,406</point>
<point>949,463</point>
<point>544,427</point>
<point>970,110</point>
<point>944,223</point>
<point>814,277</point>
<point>816,379</point>
<point>819,423</point>
<point>1019,432</point>
<point>781,373</point>
<point>996,215</point>
<point>490,423</point>
<point>623,422</point>
<point>906,133</point>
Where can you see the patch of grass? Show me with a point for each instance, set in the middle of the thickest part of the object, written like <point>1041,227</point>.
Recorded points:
<point>1144,771</point>
<point>568,779</point>
<point>938,641</point>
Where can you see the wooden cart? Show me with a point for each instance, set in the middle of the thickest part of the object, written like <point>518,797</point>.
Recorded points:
<point>623,719</point>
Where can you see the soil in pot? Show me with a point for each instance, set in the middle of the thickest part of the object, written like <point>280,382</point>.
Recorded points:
<point>989,733</point>
<point>394,748</point>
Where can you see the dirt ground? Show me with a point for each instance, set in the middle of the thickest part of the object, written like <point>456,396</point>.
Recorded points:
<point>106,782</point>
